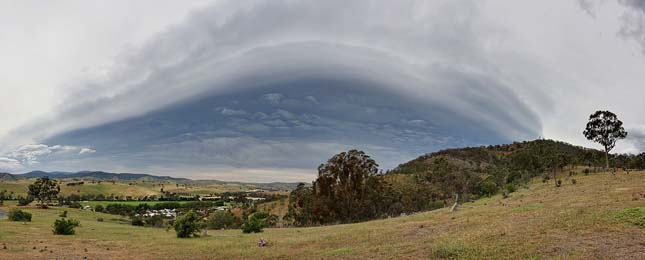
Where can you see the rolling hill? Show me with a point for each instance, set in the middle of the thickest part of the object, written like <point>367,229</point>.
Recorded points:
<point>585,220</point>
<point>8,177</point>
<point>99,175</point>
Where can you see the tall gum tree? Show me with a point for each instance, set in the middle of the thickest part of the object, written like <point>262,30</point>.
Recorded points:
<point>605,128</point>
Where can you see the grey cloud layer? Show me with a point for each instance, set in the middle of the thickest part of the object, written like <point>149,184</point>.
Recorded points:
<point>428,52</point>
<point>206,53</point>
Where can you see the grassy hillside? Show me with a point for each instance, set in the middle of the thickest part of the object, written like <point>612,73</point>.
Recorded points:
<point>587,220</point>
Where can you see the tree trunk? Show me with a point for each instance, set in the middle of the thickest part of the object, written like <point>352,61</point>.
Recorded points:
<point>454,207</point>
<point>606,159</point>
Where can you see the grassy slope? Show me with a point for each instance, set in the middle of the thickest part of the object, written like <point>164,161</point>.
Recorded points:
<point>542,222</point>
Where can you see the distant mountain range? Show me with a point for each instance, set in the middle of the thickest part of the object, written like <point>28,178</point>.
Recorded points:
<point>7,177</point>
<point>99,175</point>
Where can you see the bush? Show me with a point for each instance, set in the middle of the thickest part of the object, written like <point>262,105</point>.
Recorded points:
<point>558,183</point>
<point>25,201</point>
<point>253,226</point>
<point>190,224</point>
<point>586,171</point>
<point>99,219</point>
<point>99,208</point>
<point>63,215</point>
<point>137,221</point>
<point>154,221</point>
<point>573,181</point>
<point>65,226</point>
<point>487,188</point>
<point>75,205</point>
<point>511,188</point>
<point>19,215</point>
<point>256,222</point>
<point>223,220</point>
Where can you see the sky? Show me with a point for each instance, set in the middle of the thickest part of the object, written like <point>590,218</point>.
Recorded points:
<point>268,90</point>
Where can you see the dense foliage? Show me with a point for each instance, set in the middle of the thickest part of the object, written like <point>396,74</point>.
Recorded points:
<point>25,201</point>
<point>19,215</point>
<point>130,210</point>
<point>223,219</point>
<point>189,224</point>
<point>44,189</point>
<point>605,128</point>
<point>349,188</point>
<point>65,226</point>
<point>256,222</point>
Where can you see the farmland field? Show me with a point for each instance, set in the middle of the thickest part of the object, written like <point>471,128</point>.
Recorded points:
<point>132,189</point>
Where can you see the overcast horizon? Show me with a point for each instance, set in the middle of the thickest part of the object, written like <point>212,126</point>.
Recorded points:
<point>264,91</point>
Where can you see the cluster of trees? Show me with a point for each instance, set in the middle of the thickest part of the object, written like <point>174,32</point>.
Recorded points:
<point>348,189</point>
<point>131,210</point>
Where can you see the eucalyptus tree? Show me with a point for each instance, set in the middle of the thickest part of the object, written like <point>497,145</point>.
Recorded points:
<point>605,128</point>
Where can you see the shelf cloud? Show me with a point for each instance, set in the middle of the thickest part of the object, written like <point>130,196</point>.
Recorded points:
<point>256,85</point>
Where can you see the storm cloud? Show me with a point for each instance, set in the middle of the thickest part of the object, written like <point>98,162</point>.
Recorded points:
<point>260,86</point>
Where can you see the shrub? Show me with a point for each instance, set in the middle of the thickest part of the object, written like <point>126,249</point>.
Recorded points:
<point>99,208</point>
<point>586,171</point>
<point>25,201</point>
<point>253,226</point>
<point>65,226</point>
<point>63,215</point>
<point>19,215</point>
<point>99,219</point>
<point>189,224</point>
<point>137,221</point>
<point>573,181</point>
<point>511,188</point>
<point>223,220</point>
<point>153,221</point>
<point>75,205</point>
<point>558,183</point>
<point>487,188</point>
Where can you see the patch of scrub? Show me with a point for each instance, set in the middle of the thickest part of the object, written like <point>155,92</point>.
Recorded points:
<point>528,207</point>
<point>635,216</point>
<point>339,251</point>
<point>454,250</point>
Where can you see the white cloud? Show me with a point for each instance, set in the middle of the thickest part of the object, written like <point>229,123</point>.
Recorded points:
<point>231,112</point>
<point>8,164</point>
<point>273,98</point>
<point>86,151</point>
<point>32,153</point>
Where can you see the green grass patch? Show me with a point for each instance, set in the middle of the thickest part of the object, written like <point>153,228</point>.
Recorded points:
<point>339,251</point>
<point>453,250</point>
<point>635,216</point>
<point>528,207</point>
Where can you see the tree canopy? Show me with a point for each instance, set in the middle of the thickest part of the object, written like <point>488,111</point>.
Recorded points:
<point>605,128</point>
<point>44,189</point>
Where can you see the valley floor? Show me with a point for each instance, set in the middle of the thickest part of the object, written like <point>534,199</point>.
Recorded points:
<point>575,221</point>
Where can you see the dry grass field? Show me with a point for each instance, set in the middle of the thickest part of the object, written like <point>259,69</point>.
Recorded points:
<point>575,221</point>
